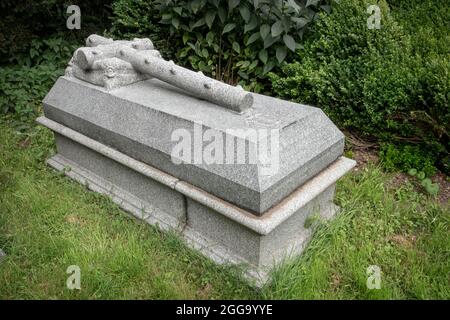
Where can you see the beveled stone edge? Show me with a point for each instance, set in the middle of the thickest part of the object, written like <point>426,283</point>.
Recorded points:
<point>262,225</point>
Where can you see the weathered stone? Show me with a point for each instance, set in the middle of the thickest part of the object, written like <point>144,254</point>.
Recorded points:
<point>99,63</point>
<point>119,140</point>
<point>196,84</point>
<point>113,64</point>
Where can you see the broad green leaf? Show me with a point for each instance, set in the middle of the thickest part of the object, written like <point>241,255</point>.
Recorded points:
<point>199,23</point>
<point>228,28</point>
<point>269,66</point>
<point>275,10</point>
<point>253,38</point>
<point>210,37</point>
<point>197,49</point>
<point>308,13</point>
<point>245,13</point>
<point>421,175</point>
<point>186,37</point>
<point>253,65</point>
<point>263,55</point>
<point>432,189</point>
<point>242,74</point>
<point>301,22</point>
<point>196,5</point>
<point>202,66</point>
<point>289,41</point>
<point>166,16</point>
<point>281,54</point>
<point>245,64</point>
<point>294,5</point>
<point>252,24</point>
<point>33,53</point>
<point>270,41</point>
<point>232,4</point>
<point>176,22</point>
<point>277,28</point>
<point>326,8</point>
<point>209,18</point>
<point>426,181</point>
<point>178,10</point>
<point>191,45</point>
<point>222,14</point>
<point>311,3</point>
<point>264,30</point>
<point>236,47</point>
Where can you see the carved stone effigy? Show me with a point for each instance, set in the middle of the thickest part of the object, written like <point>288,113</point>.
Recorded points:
<point>113,64</point>
<point>99,64</point>
<point>120,114</point>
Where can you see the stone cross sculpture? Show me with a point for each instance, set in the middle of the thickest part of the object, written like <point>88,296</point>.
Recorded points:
<point>114,64</point>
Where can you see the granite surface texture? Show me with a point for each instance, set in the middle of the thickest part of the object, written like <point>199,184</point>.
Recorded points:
<point>138,120</point>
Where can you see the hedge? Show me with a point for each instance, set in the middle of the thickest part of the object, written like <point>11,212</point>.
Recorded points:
<point>373,81</point>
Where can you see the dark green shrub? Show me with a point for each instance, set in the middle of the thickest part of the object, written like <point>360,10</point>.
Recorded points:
<point>405,158</point>
<point>23,86</point>
<point>231,40</point>
<point>342,64</point>
<point>140,18</point>
<point>22,21</point>
<point>372,81</point>
<point>427,21</point>
<point>35,46</point>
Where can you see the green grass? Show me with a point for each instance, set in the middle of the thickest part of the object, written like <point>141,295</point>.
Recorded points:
<point>48,222</point>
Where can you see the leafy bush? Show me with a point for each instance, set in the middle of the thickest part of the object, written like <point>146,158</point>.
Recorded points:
<point>371,80</point>
<point>427,20</point>
<point>23,86</point>
<point>35,46</point>
<point>140,18</point>
<point>405,158</point>
<point>231,40</point>
<point>22,21</point>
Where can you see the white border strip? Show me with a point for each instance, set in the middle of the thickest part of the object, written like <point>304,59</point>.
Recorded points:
<point>263,224</point>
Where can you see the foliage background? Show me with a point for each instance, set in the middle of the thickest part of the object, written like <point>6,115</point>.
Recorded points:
<point>385,83</point>
<point>35,46</point>
<point>231,40</point>
<point>23,21</point>
<point>392,84</point>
